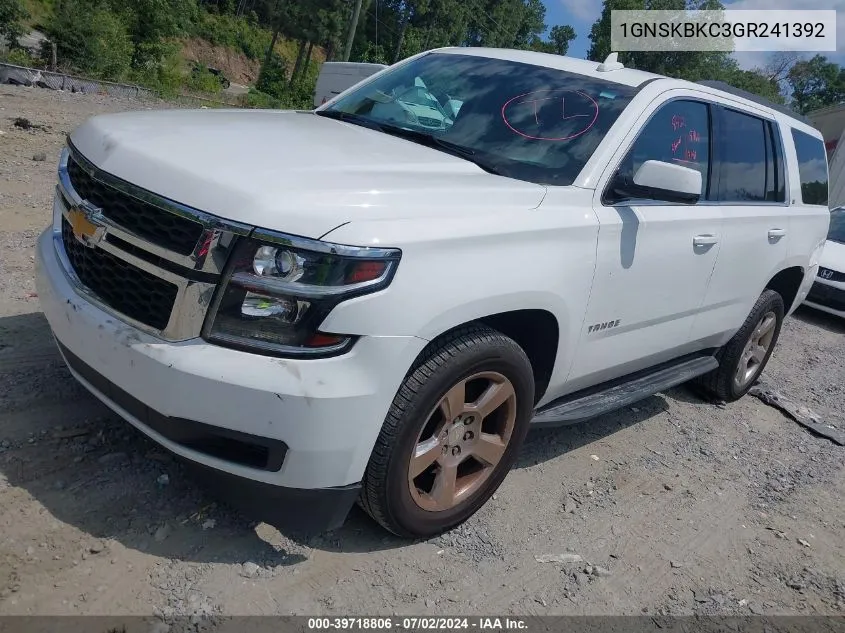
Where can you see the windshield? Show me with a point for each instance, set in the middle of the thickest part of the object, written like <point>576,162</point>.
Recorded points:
<point>529,122</point>
<point>837,225</point>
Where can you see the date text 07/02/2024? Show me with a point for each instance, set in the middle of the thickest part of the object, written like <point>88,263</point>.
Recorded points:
<point>417,623</point>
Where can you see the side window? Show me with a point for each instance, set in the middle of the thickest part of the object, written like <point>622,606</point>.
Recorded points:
<point>745,151</point>
<point>812,168</point>
<point>679,133</point>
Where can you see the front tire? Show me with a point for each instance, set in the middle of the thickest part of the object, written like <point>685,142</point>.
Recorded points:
<point>744,357</point>
<point>451,435</point>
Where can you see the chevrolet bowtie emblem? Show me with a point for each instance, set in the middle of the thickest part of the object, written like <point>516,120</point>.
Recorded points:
<point>85,226</point>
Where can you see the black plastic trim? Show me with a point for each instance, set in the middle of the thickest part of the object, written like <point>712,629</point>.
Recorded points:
<point>737,92</point>
<point>236,447</point>
<point>310,510</point>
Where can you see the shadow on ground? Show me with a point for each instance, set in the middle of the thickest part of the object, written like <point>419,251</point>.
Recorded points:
<point>95,472</point>
<point>820,319</point>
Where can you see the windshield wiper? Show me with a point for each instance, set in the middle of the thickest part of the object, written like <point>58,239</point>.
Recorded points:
<point>424,138</point>
<point>357,119</point>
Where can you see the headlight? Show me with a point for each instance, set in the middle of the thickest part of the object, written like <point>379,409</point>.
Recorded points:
<point>278,289</point>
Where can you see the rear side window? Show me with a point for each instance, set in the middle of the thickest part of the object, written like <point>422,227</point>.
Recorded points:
<point>746,163</point>
<point>812,168</point>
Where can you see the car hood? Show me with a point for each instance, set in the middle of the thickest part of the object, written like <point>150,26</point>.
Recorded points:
<point>292,171</point>
<point>833,256</point>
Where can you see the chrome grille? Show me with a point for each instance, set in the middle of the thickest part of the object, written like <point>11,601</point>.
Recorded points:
<point>151,262</point>
<point>120,285</point>
<point>141,218</point>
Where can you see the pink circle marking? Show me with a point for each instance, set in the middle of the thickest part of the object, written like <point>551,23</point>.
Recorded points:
<point>544,138</point>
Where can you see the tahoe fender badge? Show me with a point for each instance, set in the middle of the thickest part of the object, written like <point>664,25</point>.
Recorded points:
<point>603,326</point>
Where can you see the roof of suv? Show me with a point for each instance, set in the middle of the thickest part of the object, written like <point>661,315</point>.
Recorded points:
<point>626,76</point>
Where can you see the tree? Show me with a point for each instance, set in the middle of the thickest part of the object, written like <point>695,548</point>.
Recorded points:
<point>756,82</point>
<point>816,83</point>
<point>12,16</point>
<point>690,65</point>
<point>560,37</point>
<point>558,42</point>
<point>353,27</point>
<point>91,38</point>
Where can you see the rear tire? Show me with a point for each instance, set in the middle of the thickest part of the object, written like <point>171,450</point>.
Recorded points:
<point>744,357</point>
<point>451,435</point>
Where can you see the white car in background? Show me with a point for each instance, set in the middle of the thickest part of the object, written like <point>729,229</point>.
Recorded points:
<point>828,291</point>
<point>336,77</point>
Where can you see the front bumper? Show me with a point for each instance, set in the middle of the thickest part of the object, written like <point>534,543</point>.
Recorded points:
<point>306,427</point>
<point>828,296</point>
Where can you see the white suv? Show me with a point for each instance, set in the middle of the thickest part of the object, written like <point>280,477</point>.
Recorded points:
<point>330,306</point>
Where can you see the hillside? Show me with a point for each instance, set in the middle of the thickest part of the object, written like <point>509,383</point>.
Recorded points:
<point>167,45</point>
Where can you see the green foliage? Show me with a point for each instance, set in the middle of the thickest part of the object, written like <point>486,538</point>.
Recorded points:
<point>12,17</point>
<point>374,54</point>
<point>201,80</point>
<point>241,33</point>
<point>39,11</point>
<point>560,37</point>
<point>91,39</point>
<point>816,83</point>
<point>558,43</point>
<point>152,23</point>
<point>166,75</point>
<point>257,99</point>
<point>19,57</point>
<point>272,79</point>
<point>754,81</point>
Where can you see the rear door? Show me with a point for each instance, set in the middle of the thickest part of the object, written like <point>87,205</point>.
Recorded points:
<point>654,258</point>
<point>751,196</point>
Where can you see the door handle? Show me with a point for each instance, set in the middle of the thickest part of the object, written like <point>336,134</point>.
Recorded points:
<point>704,240</point>
<point>776,233</point>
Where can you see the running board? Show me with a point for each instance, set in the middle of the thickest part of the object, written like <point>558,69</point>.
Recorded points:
<point>574,408</point>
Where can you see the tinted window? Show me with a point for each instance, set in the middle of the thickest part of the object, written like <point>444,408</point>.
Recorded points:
<point>745,146</point>
<point>776,187</point>
<point>679,133</point>
<point>812,168</point>
<point>528,122</point>
<point>837,226</point>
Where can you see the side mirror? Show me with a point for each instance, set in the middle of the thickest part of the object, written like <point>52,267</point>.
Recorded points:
<point>657,180</point>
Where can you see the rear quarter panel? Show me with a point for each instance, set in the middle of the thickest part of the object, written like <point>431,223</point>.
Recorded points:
<point>808,224</point>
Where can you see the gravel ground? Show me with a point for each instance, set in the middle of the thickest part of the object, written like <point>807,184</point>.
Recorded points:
<point>673,506</point>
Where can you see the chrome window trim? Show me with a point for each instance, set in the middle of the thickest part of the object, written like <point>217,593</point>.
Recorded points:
<point>705,99</point>
<point>213,233</point>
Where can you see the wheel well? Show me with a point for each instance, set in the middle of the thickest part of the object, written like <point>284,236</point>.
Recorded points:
<point>537,333</point>
<point>786,283</point>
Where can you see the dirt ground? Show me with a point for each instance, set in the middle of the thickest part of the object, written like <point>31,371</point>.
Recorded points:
<point>676,506</point>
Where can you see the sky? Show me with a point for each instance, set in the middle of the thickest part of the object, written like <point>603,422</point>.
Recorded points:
<point>582,13</point>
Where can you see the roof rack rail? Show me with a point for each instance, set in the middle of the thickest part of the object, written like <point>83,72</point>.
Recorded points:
<point>725,87</point>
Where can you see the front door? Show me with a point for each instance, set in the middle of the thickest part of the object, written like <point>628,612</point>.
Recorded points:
<point>654,258</point>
